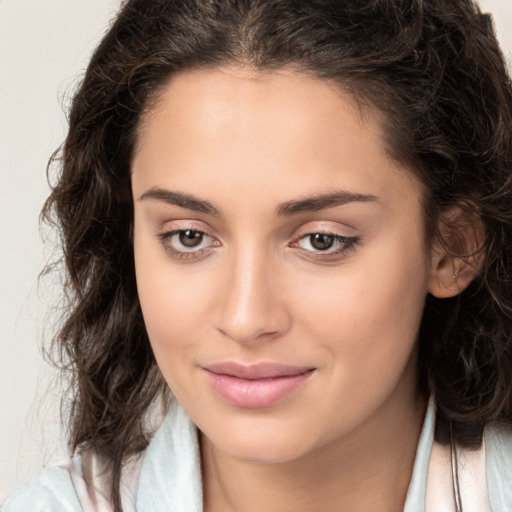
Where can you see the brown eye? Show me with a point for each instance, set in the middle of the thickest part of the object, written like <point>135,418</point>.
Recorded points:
<point>321,241</point>
<point>325,246</point>
<point>190,238</point>
<point>188,244</point>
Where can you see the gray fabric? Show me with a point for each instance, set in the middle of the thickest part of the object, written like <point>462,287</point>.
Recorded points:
<point>170,478</point>
<point>415,501</point>
<point>499,468</point>
<point>51,491</point>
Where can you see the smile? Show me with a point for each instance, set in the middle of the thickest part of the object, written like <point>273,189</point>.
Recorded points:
<point>257,386</point>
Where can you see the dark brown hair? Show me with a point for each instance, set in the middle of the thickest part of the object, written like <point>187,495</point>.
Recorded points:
<point>432,67</point>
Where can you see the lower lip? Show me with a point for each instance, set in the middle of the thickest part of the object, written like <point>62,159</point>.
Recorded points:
<point>258,393</point>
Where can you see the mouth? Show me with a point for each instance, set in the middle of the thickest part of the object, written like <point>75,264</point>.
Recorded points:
<point>255,386</point>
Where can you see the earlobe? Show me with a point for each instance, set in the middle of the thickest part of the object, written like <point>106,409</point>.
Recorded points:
<point>457,254</point>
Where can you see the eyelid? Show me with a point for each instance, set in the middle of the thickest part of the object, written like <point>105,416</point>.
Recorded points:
<point>343,242</point>
<point>183,224</point>
<point>331,226</point>
<point>332,229</point>
<point>337,237</point>
<point>169,234</point>
<point>165,237</point>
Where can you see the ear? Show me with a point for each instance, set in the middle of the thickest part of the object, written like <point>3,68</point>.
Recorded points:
<point>457,252</point>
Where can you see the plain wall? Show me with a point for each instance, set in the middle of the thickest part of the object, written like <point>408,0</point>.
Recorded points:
<point>44,48</point>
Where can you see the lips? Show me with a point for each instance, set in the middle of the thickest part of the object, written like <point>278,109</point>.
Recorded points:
<point>255,386</point>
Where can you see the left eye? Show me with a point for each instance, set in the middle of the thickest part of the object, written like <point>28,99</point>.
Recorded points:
<point>190,238</point>
<point>186,241</point>
<point>325,242</point>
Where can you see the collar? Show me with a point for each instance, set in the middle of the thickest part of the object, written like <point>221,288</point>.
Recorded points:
<point>170,475</point>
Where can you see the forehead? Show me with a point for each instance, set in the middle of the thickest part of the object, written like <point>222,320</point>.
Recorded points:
<point>254,129</point>
<point>214,99</point>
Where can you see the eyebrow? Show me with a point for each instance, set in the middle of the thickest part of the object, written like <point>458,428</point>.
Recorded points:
<point>309,204</point>
<point>322,201</point>
<point>182,200</point>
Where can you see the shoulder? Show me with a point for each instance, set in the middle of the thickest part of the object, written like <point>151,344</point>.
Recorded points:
<point>498,445</point>
<point>80,485</point>
<point>167,476</point>
<point>51,491</point>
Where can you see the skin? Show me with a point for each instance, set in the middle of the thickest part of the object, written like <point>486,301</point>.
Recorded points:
<point>257,290</point>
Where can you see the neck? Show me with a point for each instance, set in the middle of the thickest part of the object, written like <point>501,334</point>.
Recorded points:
<point>368,470</point>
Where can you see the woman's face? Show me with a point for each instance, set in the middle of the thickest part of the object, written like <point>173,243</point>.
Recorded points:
<point>281,261</point>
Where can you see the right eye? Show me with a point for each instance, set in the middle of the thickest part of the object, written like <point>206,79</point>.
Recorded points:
<point>187,243</point>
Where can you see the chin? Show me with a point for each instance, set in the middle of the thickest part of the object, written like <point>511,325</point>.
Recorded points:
<point>266,452</point>
<point>265,442</point>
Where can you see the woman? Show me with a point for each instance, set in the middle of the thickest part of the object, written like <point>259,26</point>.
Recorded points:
<point>292,217</point>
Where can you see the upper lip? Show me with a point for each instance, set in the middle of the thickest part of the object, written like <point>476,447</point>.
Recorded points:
<point>255,371</point>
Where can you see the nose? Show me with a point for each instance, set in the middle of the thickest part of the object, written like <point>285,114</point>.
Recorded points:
<point>251,302</point>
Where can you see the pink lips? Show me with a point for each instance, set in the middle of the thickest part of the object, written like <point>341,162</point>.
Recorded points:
<point>255,386</point>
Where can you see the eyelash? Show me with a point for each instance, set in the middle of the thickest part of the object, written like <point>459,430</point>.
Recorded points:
<point>345,244</point>
<point>166,241</point>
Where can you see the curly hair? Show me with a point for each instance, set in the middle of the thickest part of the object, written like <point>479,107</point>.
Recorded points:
<point>433,68</point>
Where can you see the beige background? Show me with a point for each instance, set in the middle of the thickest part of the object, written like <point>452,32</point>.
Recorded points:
<point>44,46</point>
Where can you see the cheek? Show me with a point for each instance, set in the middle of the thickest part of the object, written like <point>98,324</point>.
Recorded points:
<point>368,312</point>
<point>171,311</point>
<point>172,302</point>
<point>366,326</point>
